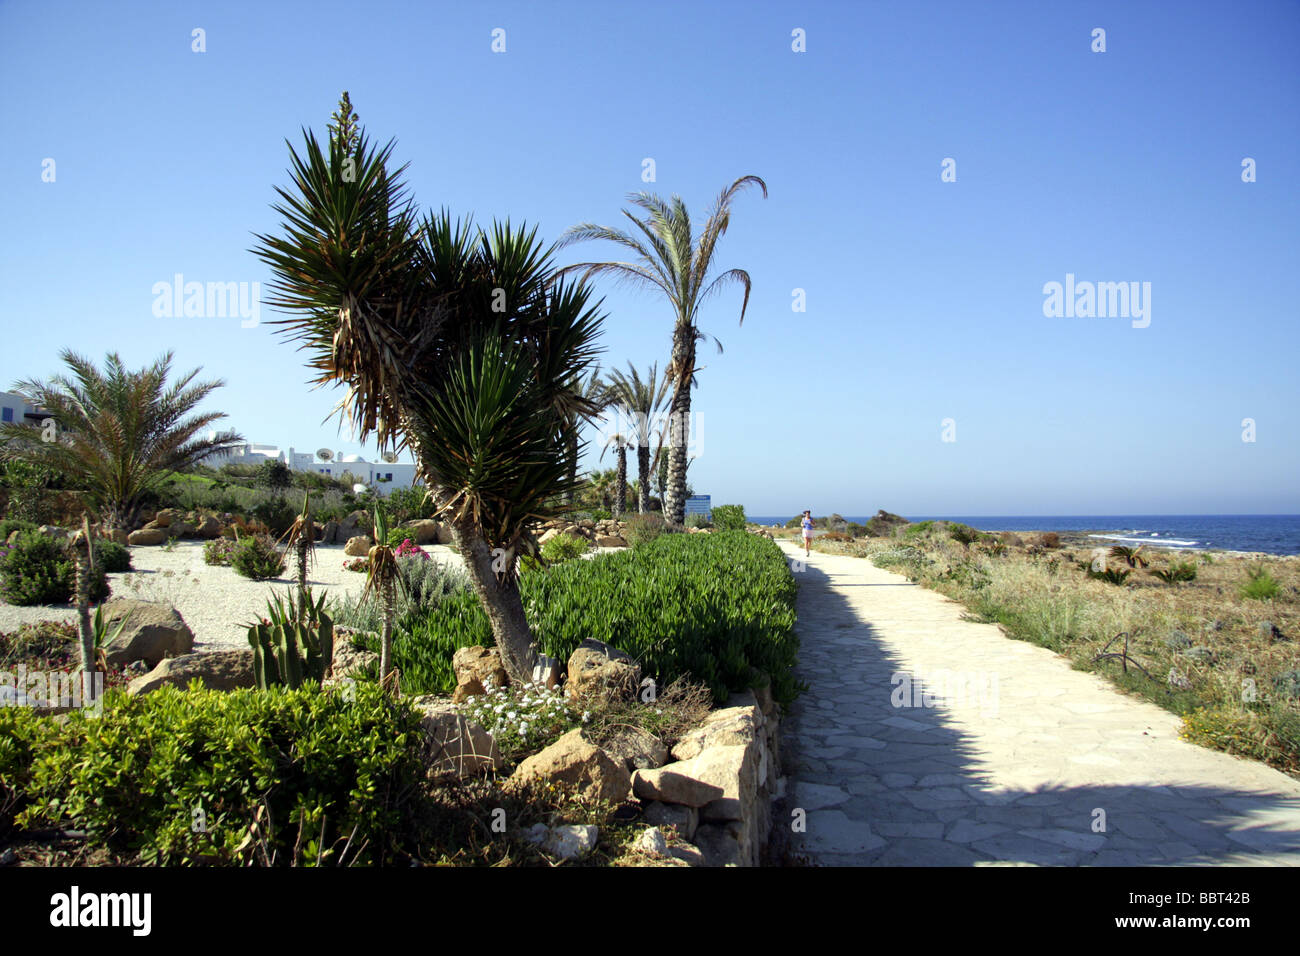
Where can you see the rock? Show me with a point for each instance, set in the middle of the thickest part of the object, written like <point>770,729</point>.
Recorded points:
<point>690,855</point>
<point>568,842</point>
<point>147,536</point>
<point>638,749</point>
<point>683,818</point>
<point>348,658</point>
<point>479,663</point>
<point>470,688</point>
<point>208,527</point>
<point>154,630</point>
<point>1177,680</point>
<point>546,671</point>
<point>548,534</point>
<point>1271,632</point>
<point>718,779</point>
<point>357,546</point>
<point>610,541</point>
<point>424,531</point>
<point>454,744</point>
<point>652,842</point>
<point>444,534</point>
<point>724,844</point>
<point>728,727</point>
<point>598,671</point>
<point>117,535</point>
<point>330,532</point>
<point>588,523</point>
<point>353,523</point>
<point>576,763</point>
<point>8,856</point>
<point>217,670</point>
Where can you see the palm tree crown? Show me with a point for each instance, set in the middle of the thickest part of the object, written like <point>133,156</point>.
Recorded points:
<point>667,255</point>
<point>120,432</point>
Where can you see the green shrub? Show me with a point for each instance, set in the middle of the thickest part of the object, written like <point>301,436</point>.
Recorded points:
<point>1260,585</point>
<point>140,774</point>
<point>882,524</point>
<point>424,583</point>
<point>963,533</point>
<point>564,547</point>
<point>218,552</point>
<point>258,558</point>
<point>38,569</point>
<point>276,513</point>
<point>643,528</point>
<point>717,608</point>
<point>24,735</point>
<point>9,525</point>
<point>112,557</point>
<point>1176,572</point>
<point>918,529</point>
<point>697,521</point>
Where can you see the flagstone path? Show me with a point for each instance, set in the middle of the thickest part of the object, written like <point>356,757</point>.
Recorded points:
<point>1024,761</point>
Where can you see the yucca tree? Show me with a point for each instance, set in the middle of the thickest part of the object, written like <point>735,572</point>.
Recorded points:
<point>639,402</point>
<point>382,579</point>
<point>120,433</point>
<point>668,256</point>
<point>456,342</point>
<point>1132,556</point>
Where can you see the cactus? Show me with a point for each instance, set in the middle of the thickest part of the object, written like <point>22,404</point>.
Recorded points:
<point>294,645</point>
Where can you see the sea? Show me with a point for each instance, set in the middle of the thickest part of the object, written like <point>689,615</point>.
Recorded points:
<point>1271,534</point>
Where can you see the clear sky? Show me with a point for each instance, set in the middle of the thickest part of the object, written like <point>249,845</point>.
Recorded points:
<point>924,298</point>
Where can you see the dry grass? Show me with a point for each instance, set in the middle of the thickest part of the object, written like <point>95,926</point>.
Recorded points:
<point>1228,664</point>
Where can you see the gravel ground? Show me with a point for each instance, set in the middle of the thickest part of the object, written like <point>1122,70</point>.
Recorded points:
<point>215,602</point>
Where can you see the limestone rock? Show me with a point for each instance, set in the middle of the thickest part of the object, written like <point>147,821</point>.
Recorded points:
<point>546,671</point>
<point>154,630</point>
<point>424,531</point>
<point>330,532</point>
<point>349,659</point>
<point>567,841</point>
<point>467,689</point>
<point>720,780</point>
<point>638,749</point>
<point>652,841</point>
<point>575,762</point>
<point>358,546</point>
<point>479,663</point>
<point>454,744</point>
<point>147,536</point>
<point>683,818</point>
<point>728,727</point>
<point>601,672</point>
<point>208,527</point>
<point>724,844</point>
<point>610,541</point>
<point>217,670</point>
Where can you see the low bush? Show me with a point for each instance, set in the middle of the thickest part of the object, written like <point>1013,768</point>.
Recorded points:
<point>424,583</point>
<point>276,513</point>
<point>264,768</point>
<point>963,533</point>
<point>1260,585</point>
<point>564,547</point>
<point>522,720</point>
<point>1049,539</point>
<point>697,521</point>
<point>37,569</point>
<point>642,528</point>
<point>1176,572</point>
<point>9,525</point>
<point>218,552</point>
<point>717,609</point>
<point>112,557</point>
<point>257,558</point>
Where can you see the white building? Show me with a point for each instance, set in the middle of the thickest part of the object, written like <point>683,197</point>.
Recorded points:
<point>382,476</point>
<point>16,408</point>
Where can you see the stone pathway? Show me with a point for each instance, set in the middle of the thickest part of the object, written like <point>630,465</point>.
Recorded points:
<point>1023,761</point>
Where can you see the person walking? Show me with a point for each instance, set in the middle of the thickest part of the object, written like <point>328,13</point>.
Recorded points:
<point>807,533</point>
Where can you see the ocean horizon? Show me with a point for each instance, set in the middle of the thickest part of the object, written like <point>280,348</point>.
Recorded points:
<point>1272,534</point>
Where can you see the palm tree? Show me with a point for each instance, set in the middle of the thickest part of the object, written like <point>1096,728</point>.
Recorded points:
<point>667,256</point>
<point>620,442</point>
<point>120,433</point>
<point>456,342</point>
<point>640,400</point>
<point>592,389</point>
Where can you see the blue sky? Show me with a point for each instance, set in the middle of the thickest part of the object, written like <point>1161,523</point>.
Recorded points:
<point>924,299</point>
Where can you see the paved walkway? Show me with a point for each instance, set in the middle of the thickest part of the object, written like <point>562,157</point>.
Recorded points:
<point>1024,761</point>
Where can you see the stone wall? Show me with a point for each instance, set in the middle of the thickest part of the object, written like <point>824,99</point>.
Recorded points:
<point>719,789</point>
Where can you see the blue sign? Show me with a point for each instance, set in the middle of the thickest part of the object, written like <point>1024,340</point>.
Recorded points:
<point>700,505</point>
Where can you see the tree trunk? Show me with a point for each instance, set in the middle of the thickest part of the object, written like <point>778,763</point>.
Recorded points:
<point>643,477</point>
<point>620,484</point>
<point>499,594</point>
<point>84,554</point>
<point>573,470</point>
<point>679,423</point>
<point>386,638</point>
